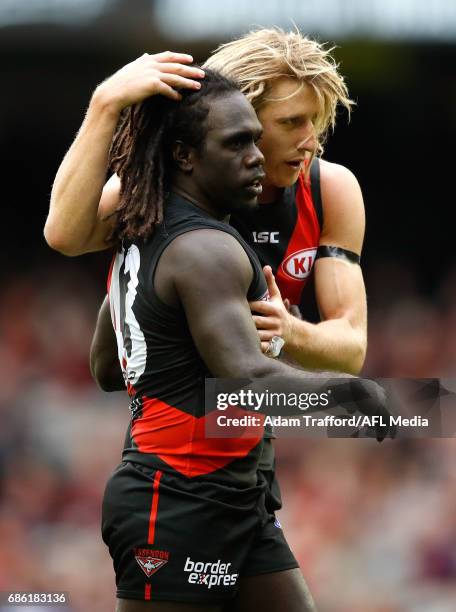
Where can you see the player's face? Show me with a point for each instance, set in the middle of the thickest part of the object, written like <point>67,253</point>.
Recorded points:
<point>288,130</point>
<point>229,166</point>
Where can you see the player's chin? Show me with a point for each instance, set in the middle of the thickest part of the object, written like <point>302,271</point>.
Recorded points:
<point>286,176</point>
<point>292,178</point>
<point>244,203</point>
<point>247,198</point>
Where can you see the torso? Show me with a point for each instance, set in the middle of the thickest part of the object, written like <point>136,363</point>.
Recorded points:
<point>285,235</point>
<point>164,372</point>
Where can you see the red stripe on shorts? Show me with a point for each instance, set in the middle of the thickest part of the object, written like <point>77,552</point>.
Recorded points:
<point>154,507</point>
<point>147,591</point>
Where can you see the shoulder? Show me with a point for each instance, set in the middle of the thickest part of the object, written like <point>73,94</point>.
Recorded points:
<point>343,207</point>
<point>209,255</point>
<point>339,184</point>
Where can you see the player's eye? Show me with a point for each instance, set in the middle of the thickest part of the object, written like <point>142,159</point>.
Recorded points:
<point>238,142</point>
<point>294,122</point>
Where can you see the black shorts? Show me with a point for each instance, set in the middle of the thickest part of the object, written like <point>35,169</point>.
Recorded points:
<point>176,539</point>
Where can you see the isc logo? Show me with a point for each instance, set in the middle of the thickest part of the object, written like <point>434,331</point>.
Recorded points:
<point>299,265</point>
<point>262,237</point>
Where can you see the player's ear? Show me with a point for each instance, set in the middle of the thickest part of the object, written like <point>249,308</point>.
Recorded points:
<point>183,156</point>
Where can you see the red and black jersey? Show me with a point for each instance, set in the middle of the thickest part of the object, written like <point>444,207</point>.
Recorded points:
<point>164,372</point>
<point>285,235</point>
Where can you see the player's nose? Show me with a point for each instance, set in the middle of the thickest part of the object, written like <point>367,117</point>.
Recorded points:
<point>308,141</point>
<point>254,158</point>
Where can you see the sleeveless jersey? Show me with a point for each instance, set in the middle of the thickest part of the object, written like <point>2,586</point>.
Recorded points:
<point>285,235</point>
<point>164,372</point>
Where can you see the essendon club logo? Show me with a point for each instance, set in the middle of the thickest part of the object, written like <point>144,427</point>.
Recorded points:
<point>299,265</point>
<point>150,561</point>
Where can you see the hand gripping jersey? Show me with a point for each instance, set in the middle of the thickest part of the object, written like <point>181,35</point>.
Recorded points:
<point>163,370</point>
<point>285,235</point>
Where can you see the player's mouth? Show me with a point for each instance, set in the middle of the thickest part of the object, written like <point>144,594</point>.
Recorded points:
<point>295,163</point>
<point>255,187</point>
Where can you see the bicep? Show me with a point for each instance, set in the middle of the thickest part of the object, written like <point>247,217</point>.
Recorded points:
<point>104,222</point>
<point>104,363</point>
<point>214,297</point>
<point>343,209</point>
<point>224,333</point>
<point>339,284</point>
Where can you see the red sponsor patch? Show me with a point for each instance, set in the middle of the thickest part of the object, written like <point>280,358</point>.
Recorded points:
<point>298,265</point>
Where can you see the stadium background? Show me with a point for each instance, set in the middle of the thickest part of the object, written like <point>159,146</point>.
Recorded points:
<point>374,526</point>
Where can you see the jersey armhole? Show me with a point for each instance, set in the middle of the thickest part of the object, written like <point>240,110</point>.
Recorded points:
<point>255,291</point>
<point>316,189</point>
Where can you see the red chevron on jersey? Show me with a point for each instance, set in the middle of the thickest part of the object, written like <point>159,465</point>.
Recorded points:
<point>297,263</point>
<point>179,438</point>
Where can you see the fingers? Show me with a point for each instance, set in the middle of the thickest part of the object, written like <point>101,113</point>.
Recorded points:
<point>381,433</point>
<point>167,72</point>
<point>165,90</point>
<point>171,56</point>
<point>176,76</point>
<point>181,76</point>
<point>186,71</point>
<point>177,81</point>
<point>272,285</point>
<point>266,335</point>
<point>166,84</point>
<point>270,323</point>
<point>265,308</point>
<point>264,347</point>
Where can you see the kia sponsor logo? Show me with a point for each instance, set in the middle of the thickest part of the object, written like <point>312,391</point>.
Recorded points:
<point>299,265</point>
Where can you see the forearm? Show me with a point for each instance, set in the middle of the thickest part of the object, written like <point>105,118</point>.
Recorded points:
<point>225,336</point>
<point>276,383</point>
<point>80,179</point>
<point>330,345</point>
<point>287,372</point>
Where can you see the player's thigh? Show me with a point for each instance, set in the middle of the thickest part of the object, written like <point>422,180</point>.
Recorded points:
<point>273,592</point>
<point>132,605</point>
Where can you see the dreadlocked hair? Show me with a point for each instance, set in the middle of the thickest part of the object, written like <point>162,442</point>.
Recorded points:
<point>142,147</point>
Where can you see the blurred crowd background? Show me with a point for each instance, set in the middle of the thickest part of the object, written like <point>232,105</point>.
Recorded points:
<point>374,526</point>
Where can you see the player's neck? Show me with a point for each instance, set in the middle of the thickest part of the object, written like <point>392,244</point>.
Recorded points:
<point>270,194</point>
<point>200,201</point>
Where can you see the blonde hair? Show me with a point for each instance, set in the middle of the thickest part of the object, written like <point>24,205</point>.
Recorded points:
<point>263,55</point>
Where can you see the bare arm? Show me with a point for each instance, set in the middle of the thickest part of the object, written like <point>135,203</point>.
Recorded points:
<point>104,363</point>
<point>76,223</point>
<point>212,290</point>
<point>339,342</point>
